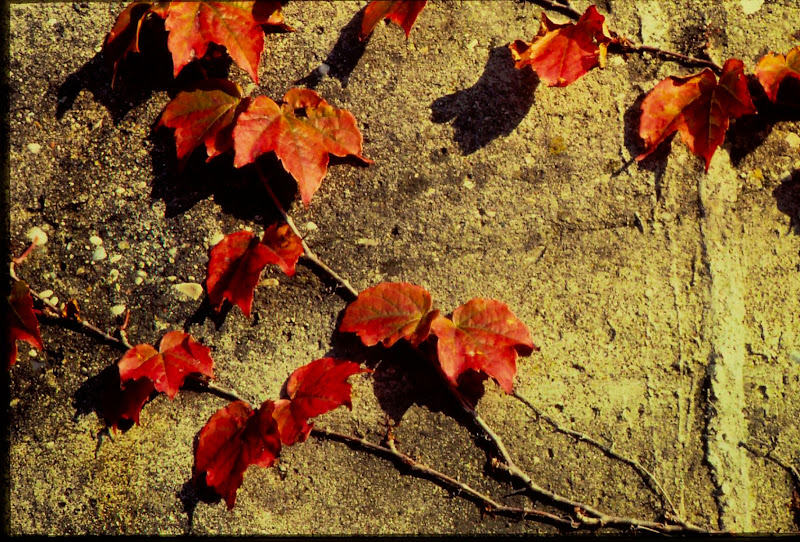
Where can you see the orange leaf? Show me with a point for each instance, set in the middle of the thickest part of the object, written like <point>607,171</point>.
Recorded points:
<point>389,312</point>
<point>179,355</point>
<point>773,68</point>
<point>402,12</point>
<point>126,403</point>
<point>562,53</point>
<point>205,115</point>
<point>302,131</point>
<point>485,336</point>
<point>21,323</point>
<point>124,36</point>
<point>313,389</point>
<point>698,107</point>
<point>234,438</point>
<point>286,245</point>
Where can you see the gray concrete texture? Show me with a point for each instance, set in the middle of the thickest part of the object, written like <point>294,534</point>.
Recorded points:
<point>664,299</point>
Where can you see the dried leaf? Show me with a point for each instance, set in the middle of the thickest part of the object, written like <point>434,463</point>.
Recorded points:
<point>773,68</point>
<point>698,107</point>
<point>285,244</point>
<point>401,12</point>
<point>389,312</point>
<point>21,322</point>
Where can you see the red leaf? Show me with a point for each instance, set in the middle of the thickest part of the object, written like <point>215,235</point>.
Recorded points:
<point>696,106</point>
<point>484,335</point>
<point>205,115</point>
<point>234,438</point>
<point>193,26</point>
<point>126,403</point>
<point>562,53</point>
<point>301,142</point>
<point>389,312</point>
<point>402,12</point>
<point>236,263</point>
<point>179,356</point>
<point>21,322</point>
<point>773,68</point>
<point>313,389</point>
<point>124,35</point>
<point>286,245</point>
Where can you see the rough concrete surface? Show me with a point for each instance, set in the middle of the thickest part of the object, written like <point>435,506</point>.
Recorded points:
<point>664,299</point>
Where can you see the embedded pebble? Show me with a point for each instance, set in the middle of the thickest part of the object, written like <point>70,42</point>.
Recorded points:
<point>172,278</point>
<point>367,242</point>
<point>271,282</point>
<point>216,238</point>
<point>54,301</point>
<point>793,140</point>
<point>33,353</point>
<point>310,226</point>
<point>37,236</point>
<point>138,280</point>
<point>751,6</point>
<point>95,240</point>
<point>34,148</point>
<point>99,254</point>
<point>116,310</point>
<point>192,290</point>
<point>113,274</point>
<point>141,273</point>
<point>115,258</point>
<point>46,293</point>
<point>323,69</point>
<point>123,245</point>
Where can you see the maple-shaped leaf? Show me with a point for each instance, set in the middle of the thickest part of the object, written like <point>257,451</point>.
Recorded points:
<point>389,312</point>
<point>234,438</point>
<point>401,12</point>
<point>21,322</point>
<point>286,246</point>
<point>124,403</point>
<point>236,263</point>
<point>124,35</point>
<point>313,389</point>
<point>698,107</point>
<point>302,131</point>
<point>773,68</point>
<point>562,53</point>
<point>193,26</point>
<point>204,115</point>
<point>179,355</point>
<point>485,336</point>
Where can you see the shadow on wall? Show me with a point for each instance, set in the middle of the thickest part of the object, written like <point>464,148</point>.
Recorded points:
<point>492,107</point>
<point>344,56</point>
<point>787,198</point>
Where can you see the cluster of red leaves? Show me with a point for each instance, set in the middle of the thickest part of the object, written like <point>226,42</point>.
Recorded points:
<point>21,322</point>
<point>303,130</point>
<point>401,12</point>
<point>698,106</point>
<point>193,26</point>
<point>144,370</point>
<point>237,436</point>
<point>236,263</point>
<point>483,335</point>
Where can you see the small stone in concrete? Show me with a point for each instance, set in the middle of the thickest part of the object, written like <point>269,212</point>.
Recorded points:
<point>46,293</point>
<point>116,310</point>
<point>37,236</point>
<point>95,240</point>
<point>34,148</point>
<point>216,238</point>
<point>99,254</point>
<point>191,290</point>
<point>751,6</point>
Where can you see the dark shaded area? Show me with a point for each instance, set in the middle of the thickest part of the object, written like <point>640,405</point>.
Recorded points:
<point>138,75</point>
<point>787,198</point>
<point>194,491</point>
<point>493,107</point>
<point>656,162</point>
<point>344,56</point>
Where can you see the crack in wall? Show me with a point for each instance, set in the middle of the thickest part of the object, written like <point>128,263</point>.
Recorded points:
<point>725,332</point>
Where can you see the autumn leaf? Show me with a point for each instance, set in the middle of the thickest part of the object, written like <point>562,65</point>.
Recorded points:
<point>773,68</point>
<point>124,35</point>
<point>204,115</point>
<point>21,322</point>
<point>302,131</point>
<point>485,336</point>
<point>562,53</point>
<point>236,263</point>
<point>401,12</point>
<point>389,312</point>
<point>124,403</point>
<point>234,438</point>
<point>179,356</point>
<point>698,107</point>
<point>313,389</point>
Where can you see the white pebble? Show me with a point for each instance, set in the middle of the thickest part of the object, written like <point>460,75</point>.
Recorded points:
<point>54,301</point>
<point>216,238</point>
<point>116,310</point>
<point>99,254</point>
<point>32,353</point>
<point>192,290</point>
<point>172,278</point>
<point>323,69</point>
<point>115,258</point>
<point>46,293</point>
<point>114,274</point>
<point>34,148</point>
<point>37,236</point>
<point>138,280</point>
<point>310,226</point>
<point>367,242</point>
<point>123,245</point>
<point>95,240</point>
<point>270,282</point>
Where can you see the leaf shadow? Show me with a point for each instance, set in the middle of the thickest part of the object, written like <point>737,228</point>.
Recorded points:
<point>344,57</point>
<point>138,76</point>
<point>787,199</point>
<point>493,107</point>
<point>195,491</point>
<point>655,162</point>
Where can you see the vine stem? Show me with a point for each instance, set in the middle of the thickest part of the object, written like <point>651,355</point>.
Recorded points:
<point>308,254</point>
<point>627,46</point>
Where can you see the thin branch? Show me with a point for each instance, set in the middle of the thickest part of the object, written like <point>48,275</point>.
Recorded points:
<point>775,458</point>
<point>609,451</point>
<point>308,253</point>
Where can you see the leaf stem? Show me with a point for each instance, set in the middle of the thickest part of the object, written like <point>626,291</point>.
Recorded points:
<point>308,253</point>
